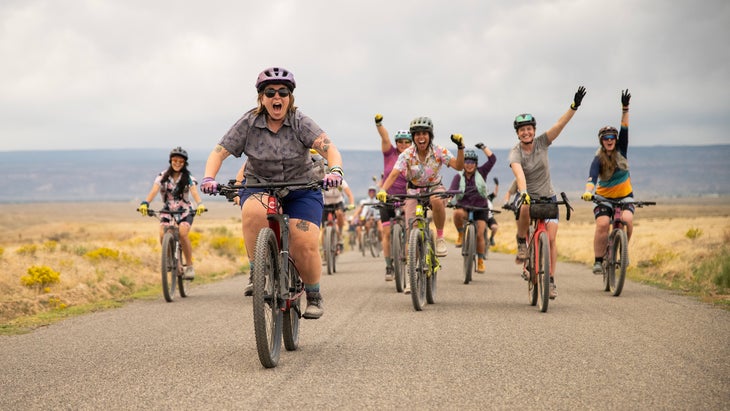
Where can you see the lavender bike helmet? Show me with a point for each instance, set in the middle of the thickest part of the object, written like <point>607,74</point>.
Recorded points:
<point>273,75</point>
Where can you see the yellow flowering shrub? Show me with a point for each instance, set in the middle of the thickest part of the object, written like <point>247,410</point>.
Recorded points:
<point>40,276</point>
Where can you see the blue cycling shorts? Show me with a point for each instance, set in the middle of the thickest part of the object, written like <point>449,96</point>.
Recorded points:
<point>301,204</point>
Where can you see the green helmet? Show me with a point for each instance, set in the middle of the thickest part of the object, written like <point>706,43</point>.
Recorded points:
<point>524,120</point>
<point>403,135</point>
<point>471,155</point>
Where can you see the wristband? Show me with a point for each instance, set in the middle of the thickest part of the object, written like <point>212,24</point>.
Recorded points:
<point>338,170</point>
<point>459,147</point>
<point>144,203</point>
<point>573,107</point>
<point>625,108</point>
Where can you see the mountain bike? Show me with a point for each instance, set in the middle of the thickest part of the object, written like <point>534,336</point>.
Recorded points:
<point>616,257</point>
<point>277,286</point>
<point>423,265</point>
<point>397,244</point>
<point>330,243</point>
<point>370,237</point>
<point>172,268</point>
<point>536,268</point>
<point>469,239</point>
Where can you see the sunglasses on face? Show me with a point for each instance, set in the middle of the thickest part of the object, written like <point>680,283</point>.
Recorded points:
<point>271,92</point>
<point>608,137</point>
<point>469,162</point>
<point>403,141</point>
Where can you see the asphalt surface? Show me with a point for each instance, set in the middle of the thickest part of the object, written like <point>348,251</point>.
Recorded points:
<point>481,346</point>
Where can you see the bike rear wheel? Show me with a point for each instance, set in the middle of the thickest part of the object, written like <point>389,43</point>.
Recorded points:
<point>618,262</point>
<point>294,312</point>
<point>468,251</point>
<point>180,279</point>
<point>432,273</point>
<point>417,268</point>
<point>543,271</point>
<point>169,267</point>
<point>267,301</point>
<point>397,243</point>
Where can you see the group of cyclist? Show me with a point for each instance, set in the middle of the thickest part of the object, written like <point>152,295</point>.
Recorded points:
<point>282,144</point>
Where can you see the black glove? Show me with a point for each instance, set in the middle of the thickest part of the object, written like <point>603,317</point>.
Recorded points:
<point>496,180</point>
<point>458,139</point>
<point>578,98</point>
<point>625,97</point>
<point>479,146</point>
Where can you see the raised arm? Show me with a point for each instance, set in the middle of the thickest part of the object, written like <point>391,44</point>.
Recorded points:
<point>558,127</point>
<point>623,137</point>
<point>383,132</point>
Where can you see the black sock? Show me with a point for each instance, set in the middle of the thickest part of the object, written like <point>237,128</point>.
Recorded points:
<point>599,259</point>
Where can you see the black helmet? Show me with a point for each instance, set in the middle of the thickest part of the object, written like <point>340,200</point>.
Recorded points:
<point>178,151</point>
<point>525,119</point>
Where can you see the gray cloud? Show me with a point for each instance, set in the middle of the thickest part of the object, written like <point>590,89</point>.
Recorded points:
<point>105,74</point>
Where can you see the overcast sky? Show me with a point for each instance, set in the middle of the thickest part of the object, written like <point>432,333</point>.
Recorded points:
<point>89,74</point>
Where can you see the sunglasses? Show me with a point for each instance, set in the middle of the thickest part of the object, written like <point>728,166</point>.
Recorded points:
<point>470,161</point>
<point>283,92</point>
<point>608,137</point>
<point>404,142</point>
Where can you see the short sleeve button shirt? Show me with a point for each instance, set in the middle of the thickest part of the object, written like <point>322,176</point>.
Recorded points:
<point>274,157</point>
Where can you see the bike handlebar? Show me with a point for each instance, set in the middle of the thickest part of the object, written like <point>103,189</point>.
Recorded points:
<point>472,208</point>
<point>230,190</point>
<point>621,201</point>
<point>543,200</point>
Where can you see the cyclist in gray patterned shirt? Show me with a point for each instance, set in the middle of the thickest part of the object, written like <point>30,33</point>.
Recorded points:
<point>276,138</point>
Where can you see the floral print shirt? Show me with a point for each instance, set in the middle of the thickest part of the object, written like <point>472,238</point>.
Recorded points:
<point>166,193</point>
<point>423,173</point>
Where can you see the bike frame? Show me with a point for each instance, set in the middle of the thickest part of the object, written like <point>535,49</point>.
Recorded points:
<point>279,223</point>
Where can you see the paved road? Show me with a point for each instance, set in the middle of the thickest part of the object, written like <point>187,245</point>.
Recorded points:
<point>480,346</point>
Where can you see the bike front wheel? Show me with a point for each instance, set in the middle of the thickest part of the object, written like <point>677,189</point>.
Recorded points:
<point>417,268</point>
<point>373,242</point>
<point>618,261</point>
<point>328,246</point>
<point>543,271</point>
<point>169,267</point>
<point>468,251</point>
<point>267,300</point>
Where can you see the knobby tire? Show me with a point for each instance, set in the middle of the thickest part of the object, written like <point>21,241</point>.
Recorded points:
<point>396,253</point>
<point>267,315</point>
<point>168,267</point>
<point>620,260</point>
<point>468,251</point>
<point>293,314</point>
<point>417,268</point>
<point>432,273</point>
<point>543,272</point>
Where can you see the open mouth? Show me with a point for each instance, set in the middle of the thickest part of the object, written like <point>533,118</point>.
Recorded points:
<point>277,108</point>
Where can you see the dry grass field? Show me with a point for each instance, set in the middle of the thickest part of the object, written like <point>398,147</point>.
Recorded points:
<point>106,253</point>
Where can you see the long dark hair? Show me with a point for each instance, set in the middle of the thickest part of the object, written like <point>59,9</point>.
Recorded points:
<point>183,183</point>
